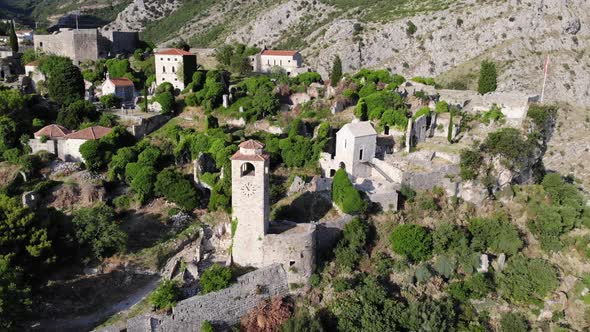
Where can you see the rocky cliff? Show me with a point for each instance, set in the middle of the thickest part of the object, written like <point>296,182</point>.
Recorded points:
<point>450,38</point>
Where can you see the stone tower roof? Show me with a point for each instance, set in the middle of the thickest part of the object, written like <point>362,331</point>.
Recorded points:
<point>251,150</point>
<point>53,131</point>
<point>359,129</point>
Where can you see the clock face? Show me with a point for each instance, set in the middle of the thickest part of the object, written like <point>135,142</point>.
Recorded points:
<point>248,189</point>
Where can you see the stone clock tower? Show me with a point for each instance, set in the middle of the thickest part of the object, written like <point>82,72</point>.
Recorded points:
<point>250,194</point>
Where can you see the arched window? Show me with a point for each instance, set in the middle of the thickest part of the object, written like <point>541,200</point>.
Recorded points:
<point>247,169</point>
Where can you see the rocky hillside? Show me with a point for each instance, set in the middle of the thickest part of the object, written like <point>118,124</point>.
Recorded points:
<point>446,38</point>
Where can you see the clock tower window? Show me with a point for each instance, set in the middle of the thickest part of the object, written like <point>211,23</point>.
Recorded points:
<point>247,169</point>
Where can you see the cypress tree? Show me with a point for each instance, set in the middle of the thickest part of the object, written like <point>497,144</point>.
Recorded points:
<point>450,130</point>
<point>13,40</point>
<point>487,77</point>
<point>336,73</point>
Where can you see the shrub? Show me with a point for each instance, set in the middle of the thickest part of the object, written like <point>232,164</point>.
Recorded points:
<point>424,80</point>
<point>509,144</point>
<point>527,280</point>
<point>340,285</point>
<point>470,163</point>
<point>411,28</point>
<point>487,77</point>
<point>512,322</point>
<point>361,110</point>
<point>207,327</point>
<point>541,114</point>
<point>441,107</point>
<point>110,101</point>
<point>494,114</point>
<point>166,100</point>
<point>407,192</point>
<point>215,278</point>
<point>345,195</point>
<point>166,295</point>
<point>423,111</point>
<point>448,237</point>
<point>349,249</point>
<point>98,232</point>
<point>175,188</point>
<point>309,77</point>
<point>497,235</point>
<point>411,241</point>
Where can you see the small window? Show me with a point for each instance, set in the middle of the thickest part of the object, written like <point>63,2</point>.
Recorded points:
<point>173,69</point>
<point>168,59</point>
<point>163,69</point>
<point>41,44</point>
<point>162,59</point>
<point>361,154</point>
<point>291,263</point>
<point>345,144</point>
<point>247,169</point>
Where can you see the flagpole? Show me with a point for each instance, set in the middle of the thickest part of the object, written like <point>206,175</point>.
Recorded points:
<point>545,69</point>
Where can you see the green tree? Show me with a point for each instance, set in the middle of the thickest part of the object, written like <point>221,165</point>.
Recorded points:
<point>67,85</point>
<point>110,101</point>
<point>93,153</point>
<point>215,278</point>
<point>361,110</point>
<point>97,231</point>
<point>76,113</point>
<point>527,280</point>
<point>412,241</point>
<point>487,77</point>
<point>12,39</point>
<point>497,235</point>
<point>175,188</point>
<point>336,73</point>
<point>302,322</point>
<point>345,195</point>
<point>350,247</point>
<point>166,295</point>
<point>15,296</point>
<point>513,322</point>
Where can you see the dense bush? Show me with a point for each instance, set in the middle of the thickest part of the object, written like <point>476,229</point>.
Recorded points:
<point>110,101</point>
<point>424,80</point>
<point>411,241</point>
<point>207,327</point>
<point>349,250</point>
<point>166,295</point>
<point>510,144</point>
<point>497,235</point>
<point>175,188</point>
<point>487,77</point>
<point>527,280</point>
<point>541,114</point>
<point>441,107</point>
<point>512,322</point>
<point>97,232</point>
<point>345,195</point>
<point>76,113</point>
<point>470,163</point>
<point>215,278</point>
<point>65,82</point>
<point>493,115</point>
<point>308,78</point>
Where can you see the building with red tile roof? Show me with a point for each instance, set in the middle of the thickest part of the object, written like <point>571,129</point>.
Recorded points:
<point>175,66</point>
<point>52,131</point>
<point>121,87</point>
<point>290,61</point>
<point>90,133</point>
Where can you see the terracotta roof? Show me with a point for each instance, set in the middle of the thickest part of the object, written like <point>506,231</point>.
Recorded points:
<point>250,157</point>
<point>251,144</point>
<point>174,51</point>
<point>89,133</point>
<point>279,52</point>
<point>122,81</point>
<point>52,131</point>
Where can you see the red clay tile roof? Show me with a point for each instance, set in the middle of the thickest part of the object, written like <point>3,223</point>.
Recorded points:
<point>250,157</point>
<point>251,144</point>
<point>122,81</point>
<point>90,133</point>
<point>279,53</point>
<point>52,131</point>
<point>174,51</point>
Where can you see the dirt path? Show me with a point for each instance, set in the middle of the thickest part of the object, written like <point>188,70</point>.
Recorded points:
<point>88,322</point>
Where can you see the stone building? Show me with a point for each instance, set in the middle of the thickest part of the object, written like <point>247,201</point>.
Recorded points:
<point>290,61</point>
<point>256,241</point>
<point>355,147</point>
<point>64,143</point>
<point>79,45</point>
<point>86,44</point>
<point>175,66</point>
<point>122,88</point>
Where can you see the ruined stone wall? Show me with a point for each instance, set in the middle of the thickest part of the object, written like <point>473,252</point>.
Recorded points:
<point>226,306</point>
<point>421,129</point>
<point>78,45</point>
<point>145,126</point>
<point>394,174</point>
<point>429,180</point>
<point>36,145</point>
<point>295,250</point>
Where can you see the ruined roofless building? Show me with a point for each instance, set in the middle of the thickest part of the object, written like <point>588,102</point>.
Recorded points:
<point>256,241</point>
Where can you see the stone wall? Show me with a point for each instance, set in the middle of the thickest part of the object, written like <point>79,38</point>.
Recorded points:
<point>36,145</point>
<point>78,45</point>
<point>225,307</point>
<point>144,126</point>
<point>428,180</point>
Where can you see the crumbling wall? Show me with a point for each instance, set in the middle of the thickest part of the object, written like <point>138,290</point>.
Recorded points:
<point>226,306</point>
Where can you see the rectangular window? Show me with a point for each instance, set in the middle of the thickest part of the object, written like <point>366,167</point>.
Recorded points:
<point>361,154</point>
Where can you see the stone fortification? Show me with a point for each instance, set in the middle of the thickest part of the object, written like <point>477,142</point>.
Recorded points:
<point>223,308</point>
